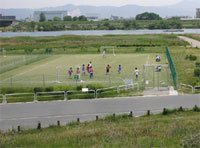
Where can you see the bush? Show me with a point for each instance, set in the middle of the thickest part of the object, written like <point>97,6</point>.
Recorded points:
<point>191,142</point>
<point>197,64</point>
<point>197,72</point>
<point>94,86</point>
<point>139,49</point>
<point>49,89</point>
<point>191,57</point>
<point>38,89</point>
<point>196,108</point>
<point>79,87</point>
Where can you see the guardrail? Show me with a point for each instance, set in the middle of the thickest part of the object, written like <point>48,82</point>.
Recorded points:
<point>116,89</point>
<point>1,98</point>
<point>86,95</point>
<point>197,89</point>
<point>63,95</point>
<point>56,95</point>
<point>18,97</point>
<point>187,87</point>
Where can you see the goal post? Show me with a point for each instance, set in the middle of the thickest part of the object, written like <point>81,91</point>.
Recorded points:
<point>104,48</point>
<point>156,76</point>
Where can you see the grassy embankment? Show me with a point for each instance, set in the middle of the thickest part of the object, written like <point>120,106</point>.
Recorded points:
<point>103,25</point>
<point>172,130</point>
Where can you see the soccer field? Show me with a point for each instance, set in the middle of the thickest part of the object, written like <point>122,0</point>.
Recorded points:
<point>45,72</point>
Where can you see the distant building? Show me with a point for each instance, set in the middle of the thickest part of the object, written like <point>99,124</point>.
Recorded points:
<point>198,13</point>
<point>93,16</point>
<point>116,18</point>
<point>49,15</point>
<point>6,20</point>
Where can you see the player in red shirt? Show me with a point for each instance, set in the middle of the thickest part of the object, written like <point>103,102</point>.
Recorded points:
<point>108,69</point>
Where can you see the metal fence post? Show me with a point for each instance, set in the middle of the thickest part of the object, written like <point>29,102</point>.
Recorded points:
<point>35,97</point>
<point>4,99</point>
<point>65,95</point>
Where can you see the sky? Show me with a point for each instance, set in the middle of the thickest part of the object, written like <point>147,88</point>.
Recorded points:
<point>52,3</point>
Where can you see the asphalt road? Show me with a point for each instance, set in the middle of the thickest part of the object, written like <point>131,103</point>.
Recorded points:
<point>27,115</point>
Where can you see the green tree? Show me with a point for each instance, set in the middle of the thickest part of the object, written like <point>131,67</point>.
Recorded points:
<point>42,17</point>
<point>127,24</point>
<point>75,18</point>
<point>56,19</point>
<point>67,18</point>
<point>82,18</point>
<point>148,16</point>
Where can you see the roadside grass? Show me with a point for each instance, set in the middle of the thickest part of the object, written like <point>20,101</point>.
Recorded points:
<point>73,42</point>
<point>120,131</point>
<point>185,68</point>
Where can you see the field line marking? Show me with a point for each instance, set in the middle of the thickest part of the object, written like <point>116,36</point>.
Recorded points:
<point>147,62</point>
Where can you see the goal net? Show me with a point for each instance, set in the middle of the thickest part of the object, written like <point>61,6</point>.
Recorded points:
<point>156,76</point>
<point>104,50</point>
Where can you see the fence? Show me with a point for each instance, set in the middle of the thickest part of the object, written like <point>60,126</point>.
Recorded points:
<point>173,69</point>
<point>16,61</point>
<point>187,88</point>
<point>66,95</point>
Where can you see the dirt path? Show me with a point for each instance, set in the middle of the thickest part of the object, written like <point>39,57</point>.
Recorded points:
<point>193,43</point>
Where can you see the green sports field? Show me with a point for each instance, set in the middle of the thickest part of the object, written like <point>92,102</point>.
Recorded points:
<point>44,73</point>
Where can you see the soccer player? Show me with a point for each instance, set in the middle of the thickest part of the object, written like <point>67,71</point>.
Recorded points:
<point>158,59</point>
<point>158,68</point>
<point>108,69</point>
<point>136,73</point>
<point>83,69</point>
<point>70,72</point>
<point>88,68</point>
<point>104,53</point>
<point>78,73</point>
<point>91,72</point>
<point>90,64</point>
<point>119,69</point>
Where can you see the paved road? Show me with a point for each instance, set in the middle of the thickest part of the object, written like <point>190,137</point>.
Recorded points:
<point>193,43</point>
<point>28,115</point>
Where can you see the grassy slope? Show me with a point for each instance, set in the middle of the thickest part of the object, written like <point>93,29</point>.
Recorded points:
<point>84,44</point>
<point>122,131</point>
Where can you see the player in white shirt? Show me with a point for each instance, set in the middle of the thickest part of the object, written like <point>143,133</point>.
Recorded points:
<point>136,73</point>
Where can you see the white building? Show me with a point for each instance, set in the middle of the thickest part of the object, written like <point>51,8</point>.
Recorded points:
<point>49,15</point>
<point>93,17</point>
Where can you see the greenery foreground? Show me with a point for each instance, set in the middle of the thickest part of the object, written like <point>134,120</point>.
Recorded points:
<point>172,128</point>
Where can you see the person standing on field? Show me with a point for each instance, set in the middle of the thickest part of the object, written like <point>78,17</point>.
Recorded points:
<point>83,69</point>
<point>108,69</point>
<point>88,68</point>
<point>91,72</point>
<point>70,72</point>
<point>119,69</point>
<point>136,73</point>
<point>78,73</point>
<point>104,53</point>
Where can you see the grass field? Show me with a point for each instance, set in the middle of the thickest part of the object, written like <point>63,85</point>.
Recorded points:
<point>44,72</point>
<point>122,131</point>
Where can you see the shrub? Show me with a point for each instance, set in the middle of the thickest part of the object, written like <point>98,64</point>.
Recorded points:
<point>139,49</point>
<point>79,87</point>
<point>196,108</point>
<point>49,89</point>
<point>191,57</point>
<point>197,72</point>
<point>38,89</point>
<point>94,86</point>
<point>191,142</point>
<point>197,64</point>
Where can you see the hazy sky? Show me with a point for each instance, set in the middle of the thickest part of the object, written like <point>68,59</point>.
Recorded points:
<point>53,3</point>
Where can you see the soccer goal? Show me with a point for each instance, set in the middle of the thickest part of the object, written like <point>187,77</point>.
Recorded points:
<point>156,76</point>
<point>106,50</point>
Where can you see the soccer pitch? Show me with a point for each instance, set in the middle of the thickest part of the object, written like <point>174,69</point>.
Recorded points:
<point>47,71</point>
